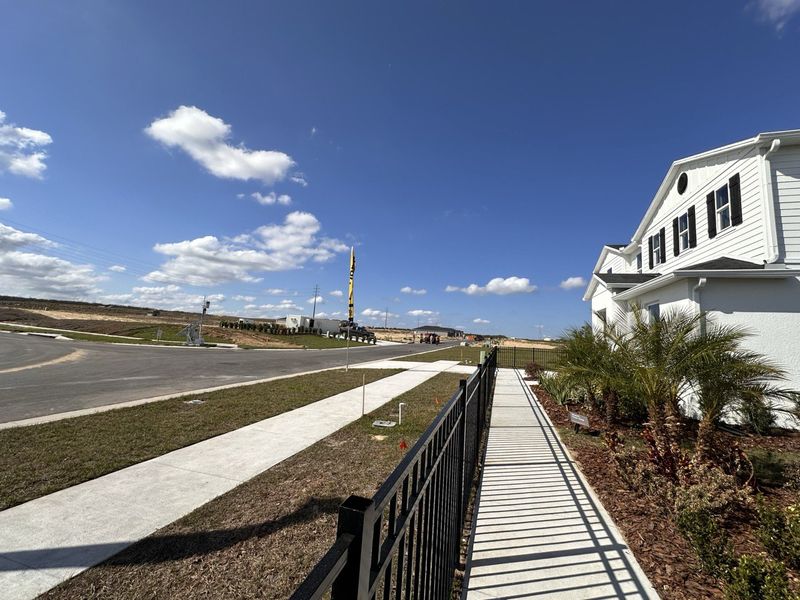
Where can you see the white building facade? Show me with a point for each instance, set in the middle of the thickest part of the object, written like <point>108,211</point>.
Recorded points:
<point>722,237</point>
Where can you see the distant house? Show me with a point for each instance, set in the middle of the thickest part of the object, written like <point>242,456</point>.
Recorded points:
<point>438,330</point>
<point>721,236</point>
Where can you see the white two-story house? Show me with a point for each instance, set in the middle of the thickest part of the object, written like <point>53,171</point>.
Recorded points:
<point>722,237</point>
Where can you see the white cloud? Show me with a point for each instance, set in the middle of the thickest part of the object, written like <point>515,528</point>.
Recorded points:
<point>205,139</point>
<point>21,149</point>
<point>28,272</point>
<point>117,268</point>
<point>299,179</point>
<point>499,285</point>
<point>337,293</point>
<point>272,310</point>
<point>5,203</point>
<point>240,298</point>
<point>418,312</point>
<point>480,321</point>
<point>318,299</point>
<point>409,290</point>
<point>378,316</point>
<point>11,239</point>
<point>271,198</point>
<point>208,260</point>
<point>778,12</point>
<point>371,312</point>
<point>172,297</point>
<point>570,283</point>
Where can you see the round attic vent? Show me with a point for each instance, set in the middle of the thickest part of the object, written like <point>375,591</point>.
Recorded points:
<point>683,181</point>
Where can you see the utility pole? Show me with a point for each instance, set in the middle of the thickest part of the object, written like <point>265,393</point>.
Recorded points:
<point>386,319</point>
<point>206,304</point>
<point>316,294</point>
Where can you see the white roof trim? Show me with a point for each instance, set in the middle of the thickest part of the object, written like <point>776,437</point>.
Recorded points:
<point>762,138</point>
<point>659,282</point>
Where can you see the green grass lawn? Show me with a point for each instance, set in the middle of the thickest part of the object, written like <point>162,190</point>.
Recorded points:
<point>318,341</point>
<point>41,459</point>
<point>83,336</point>
<point>262,538</point>
<point>466,355</point>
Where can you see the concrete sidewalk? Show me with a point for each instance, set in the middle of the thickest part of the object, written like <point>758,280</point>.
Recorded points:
<point>48,540</point>
<point>540,531</point>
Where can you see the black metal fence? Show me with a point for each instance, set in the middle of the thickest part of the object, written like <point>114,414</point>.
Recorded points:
<point>517,357</point>
<point>405,542</point>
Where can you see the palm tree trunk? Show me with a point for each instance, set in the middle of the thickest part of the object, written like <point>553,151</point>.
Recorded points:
<point>612,407</point>
<point>705,440</point>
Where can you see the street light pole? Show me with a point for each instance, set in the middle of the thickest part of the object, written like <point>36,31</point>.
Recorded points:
<point>347,365</point>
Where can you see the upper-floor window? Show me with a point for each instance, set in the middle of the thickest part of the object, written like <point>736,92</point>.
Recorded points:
<point>639,262</point>
<point>658,256</point>
<point>656,248</point>
<point>684,231</point>
<point>724,206</point>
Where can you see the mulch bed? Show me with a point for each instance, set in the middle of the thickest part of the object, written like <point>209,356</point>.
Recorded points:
<point>668,561</point>
<point>651,534</point>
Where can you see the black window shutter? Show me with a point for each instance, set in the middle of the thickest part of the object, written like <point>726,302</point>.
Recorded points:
<point>712,215</point>
<point>650,244</point>
<point>692,228</point>
<point>663,246</point>
<point>676,246</point>
<point>735,191</point>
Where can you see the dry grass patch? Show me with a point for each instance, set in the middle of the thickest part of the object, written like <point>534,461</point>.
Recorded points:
<point>262,538</point>
<point>41,459</point>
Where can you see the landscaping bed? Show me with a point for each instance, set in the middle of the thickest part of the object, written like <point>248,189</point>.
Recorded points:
<point>41,459</point>
<point>262,538</point>
<point>666,556</point>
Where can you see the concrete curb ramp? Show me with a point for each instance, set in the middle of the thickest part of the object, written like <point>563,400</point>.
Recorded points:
<point>540,531</point>
<point>48,540</point>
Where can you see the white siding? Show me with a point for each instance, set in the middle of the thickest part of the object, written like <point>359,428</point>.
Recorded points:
<point>614,262</point>
<point>745,241</point>
<point>671,298</point>
<point>785,165</point>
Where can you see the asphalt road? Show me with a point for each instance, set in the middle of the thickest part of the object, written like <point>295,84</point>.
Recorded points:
<point>73,375</point>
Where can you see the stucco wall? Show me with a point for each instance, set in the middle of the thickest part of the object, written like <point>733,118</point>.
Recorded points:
<point>768,308</point>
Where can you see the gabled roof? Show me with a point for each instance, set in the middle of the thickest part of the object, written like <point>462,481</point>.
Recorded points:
<point>762,139</point>
<point>625,278</point>
<point>723,263</point>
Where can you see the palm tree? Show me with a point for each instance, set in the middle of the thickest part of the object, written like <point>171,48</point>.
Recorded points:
<point>582,353</point>
<point>724,383</point>
<point>655,359</point>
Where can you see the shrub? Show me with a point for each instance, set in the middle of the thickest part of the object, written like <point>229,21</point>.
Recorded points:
<point>533,369</point>
<point>757,415</point>
<point>632,409</point>
<point>779,531</point>
<point>758,578</point>
<point>558,387</point>
<point>709,541</point>
<point>706,488</point>
<point>791,476</point>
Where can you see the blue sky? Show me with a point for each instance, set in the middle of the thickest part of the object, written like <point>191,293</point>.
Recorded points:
<point>239,149</point>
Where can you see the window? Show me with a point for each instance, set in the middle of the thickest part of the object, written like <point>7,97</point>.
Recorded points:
<point>724,206</point>
<point>683,231</point>
<point>639,262</point>
<point>723,211</point>
<point>654,311</point>
<point>658,257</point>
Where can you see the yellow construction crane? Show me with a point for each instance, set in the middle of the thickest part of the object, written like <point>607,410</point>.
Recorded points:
<point>351,305</point>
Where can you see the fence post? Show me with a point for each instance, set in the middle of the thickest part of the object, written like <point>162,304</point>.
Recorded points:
<point>462,406</point>
<point>353,582</point>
